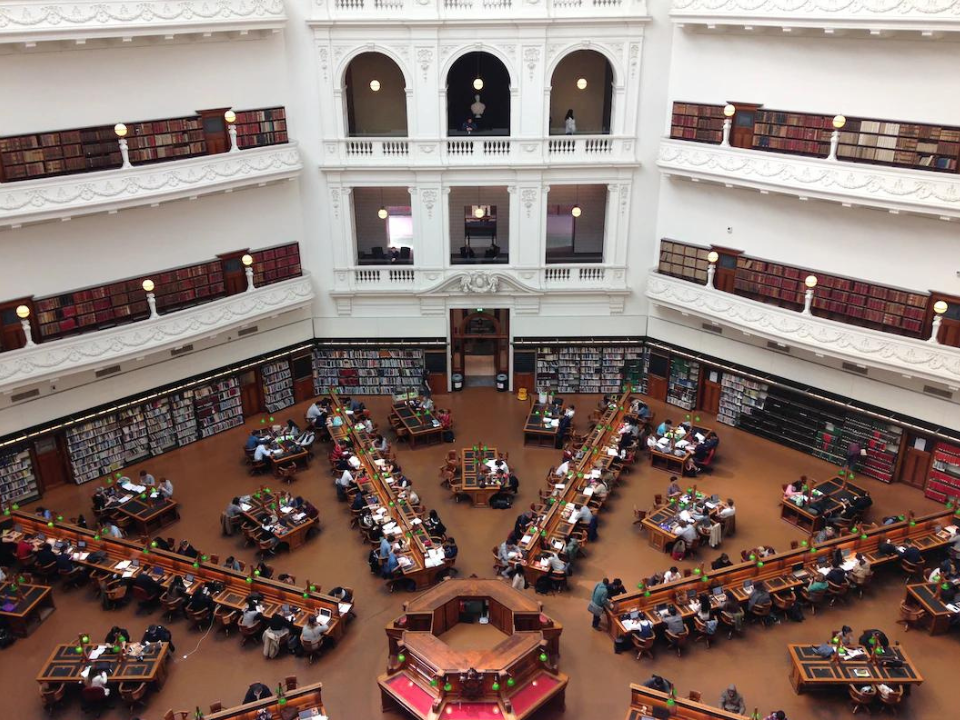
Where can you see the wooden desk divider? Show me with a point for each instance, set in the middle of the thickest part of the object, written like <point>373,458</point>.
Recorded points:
<point>290,704</point>
<point>275,593</point>
<point>646,702</point>
<point>922,531</point>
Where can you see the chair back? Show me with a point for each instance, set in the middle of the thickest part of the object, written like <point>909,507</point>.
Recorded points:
<point>93,694</point>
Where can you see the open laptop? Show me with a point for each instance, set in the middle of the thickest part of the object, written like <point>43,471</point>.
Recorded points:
<point>325,613</point>
<point>718,591</point>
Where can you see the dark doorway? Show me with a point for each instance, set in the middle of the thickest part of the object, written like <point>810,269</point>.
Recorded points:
<point>490,115</point>
<point>480,344</point>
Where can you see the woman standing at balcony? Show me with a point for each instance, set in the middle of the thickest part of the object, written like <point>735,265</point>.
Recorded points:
<point>569,123</point>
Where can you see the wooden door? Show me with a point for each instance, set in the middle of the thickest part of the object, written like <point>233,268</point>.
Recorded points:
<point>915,466</point>
<point>215,130</point>
<point>741,134</point>
<point>234,276</point>
<point>302,377</point>
<point>51,462</point>
<point>725,277</point>
<point>709,395</point>
<point>251,393</point>
<point>658,374</point>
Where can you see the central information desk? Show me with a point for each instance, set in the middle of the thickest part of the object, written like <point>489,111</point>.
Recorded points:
<point>553,527</point>
<point>300,704</point>
<point>779,572</point>
<point>109,556</point>
<point>810,671</point>
<point>646,703</point>
<point>837,490</point>
<point>421,559</point>
<point>512,679</point>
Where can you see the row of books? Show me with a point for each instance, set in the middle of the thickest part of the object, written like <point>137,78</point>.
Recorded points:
<point>277,385</point>
<point>739,396</point>
<point>218,406</point>
<point>683,383</point>
<point>17,480</point>
<point>95,448</point>
<point>584,369</point>
<point>944,481</point>
<point>388,368</point>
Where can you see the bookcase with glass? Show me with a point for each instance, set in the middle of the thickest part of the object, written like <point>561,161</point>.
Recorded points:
<point>161,430</point>
<point>684,260</point>
<point>276,264</point>
<point>879,440</point>
<point>944,481</point>
<point>17,480</point>
<point>256,128</point>
<point>134,434</point>
<point>739,397</point>
<point>587,368</point>
<point>184,417</point>
<point>367,372</point>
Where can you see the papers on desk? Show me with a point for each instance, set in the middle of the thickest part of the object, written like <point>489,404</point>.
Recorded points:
<point>125,498</point>
<point>344,607</point>
<point>526,538</point>
<point>354,462</point>
<point>416,521</point>
<point>685,515</point>
<point>245,507</point>
<point>286,510</point>
<point>97,651</point>
<point>404,561</point>
<point>700,438</point>
<point>588,491</point>
<point>391,528</point>
<point>630,624</point>
<point>611,452</point>
<point>130,487</point>
<point>298,517</point>
<point>682,444</point>
<point>379,462</point>
<point>122,565</point>
<point>854,654</point>
<point>711,505</point>
<point>85,673</point>
<point>80,555</point>
<point>952,608</point>
<point>434,557</point>
<point>664,612</point>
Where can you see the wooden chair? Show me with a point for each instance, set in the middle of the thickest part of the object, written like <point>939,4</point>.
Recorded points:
<point>226,619</point>
<point>861,585</point>
<point>112,594</point>
<point>891,700</point>
<point>657,500</point>
<point>171,606</point>
<point>93,698</point>
<point>290,682</point>
<point>910,615</point>
<point>312,649</point>
<point>133,693</point>
<point>287,473</point>
<point>47,572</point>
<point>837,592</point>
<point>216,707</point>
<point>784,601</point>
<point>72,578</point>
<point>761,612</point>
<point>643,646</point>
<point>51,694</point>
<point>199,618</point>
<point>812,599</point>
<point>498,565</point>
<point>860,699</point>
<point>914,571</point>
<point>700,628</point>
<point>258,467</point>
<point>726,619</point>
<point>695,695</point>
<point>250,631</point>
<point>677,640</point>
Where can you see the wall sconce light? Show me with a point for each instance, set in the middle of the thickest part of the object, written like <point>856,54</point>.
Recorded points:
<point>582,84</point>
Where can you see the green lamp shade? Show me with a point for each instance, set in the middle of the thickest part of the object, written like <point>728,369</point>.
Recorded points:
<point>705,579</point>
<point>282,701</point>
<point>496,686</point>
<point>646,594</point>
<point>50,524</point>
<point>803,543</point>
<point>401,657</point>
<point>697,571</point>
<point>153,544</point>
<point>434,683</point>
<point>447,687</point>
<point>511,682</point>
<point>85,639</point>
<point>543,657</point>
<point>313,588</point>
<point>760,564</point>
<point>60,518</point>
<point>78,649</point>
<point>249,579</point>
<point>116,648</point>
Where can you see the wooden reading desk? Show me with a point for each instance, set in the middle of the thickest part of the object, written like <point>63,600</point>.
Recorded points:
<point>420,424</point>
<point>421,559</point>
<point>542,424</point>
<point>304,702</point>
<point>122,557</point>
<point>146,509</point>
<point>476,482</point>
<point>672,463</point>
<point>660,522</point>
<point>149,665</point>
<point>24,605</point>
<point>553,527</point>
<point>810,671</point>
<point>939,616</point>
<point>293,526</point>
<point>649,703</point>
<point>836,490</point>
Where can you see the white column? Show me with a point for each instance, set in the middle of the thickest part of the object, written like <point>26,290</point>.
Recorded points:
<point>232,131</point>
<point>28,331</point>
<point>807,301</point>
<point>152,304</point>
<point>834,142</point>
<point>934,329</point>
<point>124,154</point>
<point>248,271</point>
<point>727,124</point>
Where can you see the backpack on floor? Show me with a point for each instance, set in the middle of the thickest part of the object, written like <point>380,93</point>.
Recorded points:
<point>543,585</point>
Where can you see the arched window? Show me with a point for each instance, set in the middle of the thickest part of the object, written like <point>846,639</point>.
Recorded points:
<point>376,97</point>
<point>581,88</point>
<point>478,96</point>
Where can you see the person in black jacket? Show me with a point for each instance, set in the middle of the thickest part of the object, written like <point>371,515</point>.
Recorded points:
<point>200,600</point>
<point>116,635</point>
<point>148,584</point>
<point>257,691</point>
<point>910,552</point>
<point>46,556</point>
<point>837,575</point>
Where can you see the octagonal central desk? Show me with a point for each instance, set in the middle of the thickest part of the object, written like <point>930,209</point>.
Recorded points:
<point>427,678</point>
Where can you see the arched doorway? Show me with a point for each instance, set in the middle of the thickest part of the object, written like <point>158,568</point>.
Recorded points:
<point>478,96</point>
<point>480,344</point>
<point>375,96</point>
<point>582,84</point>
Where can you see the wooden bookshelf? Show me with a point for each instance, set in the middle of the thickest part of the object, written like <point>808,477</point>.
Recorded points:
<point>794,133</point>
<point>277,385</point>
<point>78,150</point>
<point>218,406</point>
<point>95,448</point>
<point>276,264</point>
<point>160,428</point>
<point>257,128</point>
<point>684,260</point>
<point>586,368</point>
<point>18,483</point>
<point>367,372</point>
<point>684,383</point>
<point>184,416</point>
<point>133,431</point>
<point>739,397</point>
<point>692,121</point>
<point>922,147</point>
<point>944,481</point>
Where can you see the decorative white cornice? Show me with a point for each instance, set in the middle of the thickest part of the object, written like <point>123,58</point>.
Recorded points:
<point>892,189</point>
<point>78,20</point>
<point>877,18</point>
<point>90,351</point>
<point>73,195</point>
<point>871,348</point>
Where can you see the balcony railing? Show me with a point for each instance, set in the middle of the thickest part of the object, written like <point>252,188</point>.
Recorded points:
<point>111,190</point>
<point>874,18</point>
<point>868,348</point>
<point>326,11</point>
<point>486,151</point>
<point>539,279</point>
<point>892,189</point>
<point>127,342</point>
<point>77,21</point>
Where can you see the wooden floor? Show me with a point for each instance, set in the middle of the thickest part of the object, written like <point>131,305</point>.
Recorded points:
<point>751,470</point>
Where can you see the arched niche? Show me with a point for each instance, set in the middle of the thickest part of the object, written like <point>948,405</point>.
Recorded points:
<point>582,82</point>
<point>490,115</point>
<point>375,96</point>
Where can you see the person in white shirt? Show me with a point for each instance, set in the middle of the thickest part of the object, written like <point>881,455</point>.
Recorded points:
<point>687,533</point>
<point>427,404</point>
<point>413,497</point>
<point>728,511</point>
<point>497,465</point>
<point>600,489</point>
<point>314,412</point>
<point>165,487</point>
<point>562,469</point>
<point>367,425</point>
<point>671,575</point>
<point>263,452</point>
<point>345,480</point>
<point>555,564</point>
<point>571,411</point>
<point>99,680</point>
<point>147,479</point>
<point>110,530</point>
<point>582,514</point>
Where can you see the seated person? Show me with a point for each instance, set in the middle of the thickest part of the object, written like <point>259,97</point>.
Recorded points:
<point>827,533</point>
<point>165,488</point>
<point>673,621</point>
<point>910,552</point>
<point>186,549</point>
<point>655,682</point>
<point>759,597</point>
<point>116,636</point>
<point>673,489</point>
<point>251,616</point>
<point>665,427</point>
<point>450,549</point>
<point>795,488</point>
<point>232,563</point>
<point>313,631</point>
<point>721,562</point>
<point>234,509</point>
<point>672,574</point>
<point>844,636</point>
<point>860,572</point>
<point>200,600</point>
<point>817,584</point>
<point>46,556</point>
<point>257,691</point>
<point>837,575</point>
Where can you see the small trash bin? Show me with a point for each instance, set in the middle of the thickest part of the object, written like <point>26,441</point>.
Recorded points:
<point>457,381</point>
<point>502,382</point>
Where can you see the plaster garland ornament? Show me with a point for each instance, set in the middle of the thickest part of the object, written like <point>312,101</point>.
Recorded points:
<point>76,354</point>
<point>429,199</point>
<point>151,183</point>
<point>531,56</point>
<point>634,58</point>
<point>479,282</point>
<point>335,201</point>
<point>425,58</point>
<point>867,184</point>
<point>893,352</point>
<point>324,56</point>
<point>72,15</point>
<point>528,196</point>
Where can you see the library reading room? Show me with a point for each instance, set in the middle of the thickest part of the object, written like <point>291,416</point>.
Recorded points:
<point>313,404</point>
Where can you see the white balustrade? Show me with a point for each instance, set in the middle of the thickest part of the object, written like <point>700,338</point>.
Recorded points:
<point>366,277</point>
<point>546,277</point>
<point>402,276</point>
<point>426,10</point>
